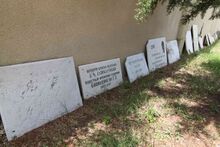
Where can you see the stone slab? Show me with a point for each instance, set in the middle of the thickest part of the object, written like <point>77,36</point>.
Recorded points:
<point>189,42</point>
<point>211,39</point>
<point>36,93</point>
<point>173,51</point>
<point>156,53</point>
<point>195,38</point>
<point>136,67</point>
<point>215,36</point>
<point>201,43</point>
<point>99,77</point>
<point>207,41</point>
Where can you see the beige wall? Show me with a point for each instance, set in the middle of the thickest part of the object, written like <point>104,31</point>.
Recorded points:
<point>88,30</point>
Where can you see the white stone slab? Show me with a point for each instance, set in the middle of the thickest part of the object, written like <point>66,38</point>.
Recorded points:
<point>211,39</point>
<point>33,94</point>
<point>195,37</point>
<point>99,77</point>
<point>207,41</point>
<point>215,36</point>
<point>136,67</point>
<point>201,43</point>
<point>189,43</point>
<point>156,53</point>
<point>173,51</point>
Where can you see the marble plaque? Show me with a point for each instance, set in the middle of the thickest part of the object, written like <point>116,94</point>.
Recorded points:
<point>195,37</point>
<point>33,94</point>
<point>173,51</point>
<point>189,43</point>
<point>201,43</point>
<point>136,67</point>
<point>99,77</point>
<point>156,53</point>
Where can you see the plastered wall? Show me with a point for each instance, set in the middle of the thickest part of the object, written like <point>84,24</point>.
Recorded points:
<point>88,30</point>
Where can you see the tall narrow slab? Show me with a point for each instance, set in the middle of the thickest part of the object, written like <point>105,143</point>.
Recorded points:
<point>195,37</point>
<point>207,41</point>
<point>173,51</point>
<point>156,53</point>
<point>99,77</point>
<point>136,67</point>
<point>33,94</point>
<point>201,43</point>
<point>189,43</point>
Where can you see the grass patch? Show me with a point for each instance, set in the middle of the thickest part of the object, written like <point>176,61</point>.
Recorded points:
<point>151,115</point>
<point>180,97</point>
<point>115,139</point>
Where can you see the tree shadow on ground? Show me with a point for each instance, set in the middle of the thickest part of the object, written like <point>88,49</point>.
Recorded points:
<point>114,106</point>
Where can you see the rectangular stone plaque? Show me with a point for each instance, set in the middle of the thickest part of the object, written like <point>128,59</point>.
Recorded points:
<point>136,67</point>
<point>189,43</point>
<point>156,53</point>
<point>195,37</point>
<point>99,77</point>
<point>173,51</point>
<point>201,42</point>
<point>33,94</point>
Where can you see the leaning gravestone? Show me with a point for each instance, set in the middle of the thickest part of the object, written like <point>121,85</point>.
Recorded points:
<point>215,36</point>
<point>173,51</point>
<point>211,39</point>
<point>136,67</point>
<point>156,53</point>
<point>195,37</point>
<point>189,43</point>
<point>201,43</point>
<point>99,77</point>
<point>207,41</point>
<point>33,94</point>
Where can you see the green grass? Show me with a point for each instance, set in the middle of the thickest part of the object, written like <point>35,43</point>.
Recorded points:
<point>152,115</point>
<point>180,99</point>
<point>115,139</point>
<point>199,75</point>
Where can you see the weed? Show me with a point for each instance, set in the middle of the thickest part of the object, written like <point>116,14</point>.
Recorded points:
<point>107,120</point>
<point>152,115</point>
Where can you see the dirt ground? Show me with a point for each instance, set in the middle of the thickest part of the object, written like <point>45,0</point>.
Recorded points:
<point>178,105</point>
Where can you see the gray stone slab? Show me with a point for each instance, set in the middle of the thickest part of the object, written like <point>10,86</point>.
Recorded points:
<point>99,77</point>
<point>33,94</point>
<point>201,43</point>
<point>136,67</point>
<point>195,37</point>
<point>173,51</point>
<point>156,53</point>
<point>189,42</point>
